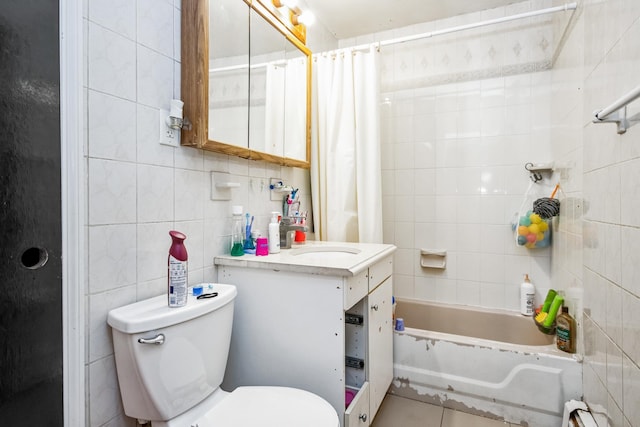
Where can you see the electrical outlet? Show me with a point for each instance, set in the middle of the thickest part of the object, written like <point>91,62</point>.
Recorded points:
<point>168,136</point>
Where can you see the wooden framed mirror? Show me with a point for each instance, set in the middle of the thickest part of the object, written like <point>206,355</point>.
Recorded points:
<point>246,82</point>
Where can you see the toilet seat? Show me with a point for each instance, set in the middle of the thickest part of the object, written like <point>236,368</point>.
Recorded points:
<point>270,407</point>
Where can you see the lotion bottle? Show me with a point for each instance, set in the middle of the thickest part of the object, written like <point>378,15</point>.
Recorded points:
<point>177,271</point>
<point>527,293</point>
<point>274,234</point>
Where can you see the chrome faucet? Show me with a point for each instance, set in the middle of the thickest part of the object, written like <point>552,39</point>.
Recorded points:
<point>287,228</point>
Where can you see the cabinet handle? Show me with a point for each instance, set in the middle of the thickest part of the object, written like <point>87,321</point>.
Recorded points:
<point>374,307</point>
<point>363,417</point>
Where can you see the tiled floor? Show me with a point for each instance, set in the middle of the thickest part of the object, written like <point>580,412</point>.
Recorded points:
<point>400,412</point>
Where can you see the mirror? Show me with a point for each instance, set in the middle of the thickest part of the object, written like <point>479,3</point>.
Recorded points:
<point>245,82</point>
<point>228,73</point>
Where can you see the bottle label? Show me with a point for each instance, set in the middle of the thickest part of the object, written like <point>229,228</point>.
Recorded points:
<point>177,282</point>
<point>563,338</point>
<point>527,304</point>
<point>563,334</point>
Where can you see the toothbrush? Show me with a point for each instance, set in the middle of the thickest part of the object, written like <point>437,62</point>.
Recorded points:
<point>247,228</point>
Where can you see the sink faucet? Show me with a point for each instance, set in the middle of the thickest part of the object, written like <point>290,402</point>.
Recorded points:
<point>287,228</point>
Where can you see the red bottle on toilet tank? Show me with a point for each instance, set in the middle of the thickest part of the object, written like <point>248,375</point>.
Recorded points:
<point>177,270</point>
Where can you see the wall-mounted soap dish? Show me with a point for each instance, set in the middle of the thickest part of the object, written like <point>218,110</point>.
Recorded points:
<point>221,186</point>
<point>433,258</point>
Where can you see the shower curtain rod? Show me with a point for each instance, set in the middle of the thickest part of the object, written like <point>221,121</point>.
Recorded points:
<point>619,107</point>
<point>246,66</point>
<point>566,7</point>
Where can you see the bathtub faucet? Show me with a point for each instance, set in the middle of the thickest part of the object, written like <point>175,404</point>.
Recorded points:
<point>287,229</point>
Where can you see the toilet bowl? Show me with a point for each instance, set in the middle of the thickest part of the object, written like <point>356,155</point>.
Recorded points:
<point>171,362</point>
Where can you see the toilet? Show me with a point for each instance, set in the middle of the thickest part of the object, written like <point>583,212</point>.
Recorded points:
<point>171,362</point>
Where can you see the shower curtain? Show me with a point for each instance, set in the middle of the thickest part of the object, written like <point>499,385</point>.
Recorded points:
<point>285,108</point>
<point>346,182</point>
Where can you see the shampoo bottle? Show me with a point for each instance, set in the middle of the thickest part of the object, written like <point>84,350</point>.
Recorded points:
<point>177,271</point>
<point>527,293</point>
<point>566,331</point>
<point>274,234</point>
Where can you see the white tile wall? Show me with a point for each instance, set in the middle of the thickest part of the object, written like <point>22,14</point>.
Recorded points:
<point>138,190</point>
<point>597,245</point>
<point>458,126</point>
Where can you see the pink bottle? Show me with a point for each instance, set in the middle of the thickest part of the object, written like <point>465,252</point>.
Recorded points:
<point>177,282</point>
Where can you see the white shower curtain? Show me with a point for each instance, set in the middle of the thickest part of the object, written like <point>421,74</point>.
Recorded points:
<point>285,108</point>
<point>346,182</point>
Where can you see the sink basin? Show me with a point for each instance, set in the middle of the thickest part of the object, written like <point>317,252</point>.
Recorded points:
<point>325,250</point>
<point>324,253</point>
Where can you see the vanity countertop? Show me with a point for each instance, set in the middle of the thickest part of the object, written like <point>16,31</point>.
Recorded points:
<point>315,257</point>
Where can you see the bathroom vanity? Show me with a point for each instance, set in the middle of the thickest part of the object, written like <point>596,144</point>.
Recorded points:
<point>317,317</point>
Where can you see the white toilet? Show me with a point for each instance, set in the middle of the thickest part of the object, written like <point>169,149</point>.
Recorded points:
<point>171,362</point>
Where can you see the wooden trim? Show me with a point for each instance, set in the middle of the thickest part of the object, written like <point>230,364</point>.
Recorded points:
<point>195,71</point>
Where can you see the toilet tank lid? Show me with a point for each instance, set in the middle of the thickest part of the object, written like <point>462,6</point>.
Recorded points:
<point>155,313</point>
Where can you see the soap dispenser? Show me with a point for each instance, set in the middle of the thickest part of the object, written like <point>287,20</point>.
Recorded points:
<point>274,233</point>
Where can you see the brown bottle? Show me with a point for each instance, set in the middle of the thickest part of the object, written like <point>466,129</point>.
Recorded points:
<point>566,331</point>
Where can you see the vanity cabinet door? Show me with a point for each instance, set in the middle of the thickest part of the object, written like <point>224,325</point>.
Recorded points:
<point>380,334</point>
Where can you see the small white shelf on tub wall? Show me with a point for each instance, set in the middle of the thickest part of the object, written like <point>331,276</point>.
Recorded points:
<point>221,186</point>
<point>433,258</point>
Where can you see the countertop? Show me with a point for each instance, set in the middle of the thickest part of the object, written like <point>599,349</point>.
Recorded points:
<point>305,259</point>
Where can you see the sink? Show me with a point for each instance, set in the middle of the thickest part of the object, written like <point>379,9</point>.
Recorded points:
<point>325,249</point>
<point>311,253</point>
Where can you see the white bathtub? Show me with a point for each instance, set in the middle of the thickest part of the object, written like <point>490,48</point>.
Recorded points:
<point>493,363</point>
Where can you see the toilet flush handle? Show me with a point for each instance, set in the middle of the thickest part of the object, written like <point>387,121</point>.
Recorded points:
<point>158,339</point>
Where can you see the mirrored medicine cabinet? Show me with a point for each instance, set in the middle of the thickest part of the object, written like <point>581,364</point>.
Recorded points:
<point>246,82</point>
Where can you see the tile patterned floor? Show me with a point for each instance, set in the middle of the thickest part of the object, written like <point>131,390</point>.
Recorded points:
<point>400,412</point>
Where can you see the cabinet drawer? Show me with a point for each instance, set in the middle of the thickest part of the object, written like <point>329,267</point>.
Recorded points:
<point>357,414</point>
<point>379,272</point>
<point>355,289</point>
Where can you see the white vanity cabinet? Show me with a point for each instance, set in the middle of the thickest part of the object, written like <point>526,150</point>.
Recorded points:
<point>295,326</point>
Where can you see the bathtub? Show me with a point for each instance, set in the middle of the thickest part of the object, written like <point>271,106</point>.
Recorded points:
<point>493,363</point>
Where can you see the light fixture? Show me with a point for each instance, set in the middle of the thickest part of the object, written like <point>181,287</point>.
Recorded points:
<point>289,14</point>
<point>282,3</point>
<point>306,18</point>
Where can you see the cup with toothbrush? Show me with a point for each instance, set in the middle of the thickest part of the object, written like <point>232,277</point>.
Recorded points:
<point>249,245</point>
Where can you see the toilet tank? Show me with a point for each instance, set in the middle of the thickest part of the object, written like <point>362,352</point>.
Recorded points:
<point>162,380</point>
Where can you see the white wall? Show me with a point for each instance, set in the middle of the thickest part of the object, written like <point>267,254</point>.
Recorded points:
<point>137,189</point>
<point>597,251</point>
<point>462,114</point>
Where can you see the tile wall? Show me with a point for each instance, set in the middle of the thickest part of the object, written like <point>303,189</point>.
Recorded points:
<point>462,114</point>
<point>597,252</point>
<point>137,189</point>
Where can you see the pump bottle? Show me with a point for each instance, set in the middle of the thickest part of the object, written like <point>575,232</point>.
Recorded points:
<point>527,293</point>
<point>177,277</point>
<point>274,233</point>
